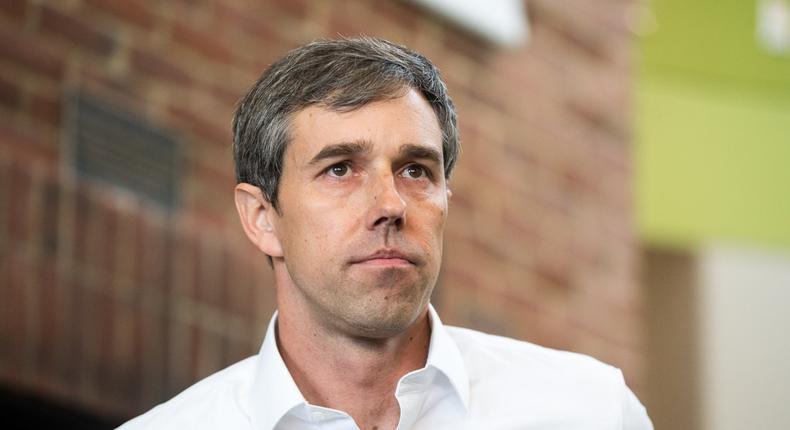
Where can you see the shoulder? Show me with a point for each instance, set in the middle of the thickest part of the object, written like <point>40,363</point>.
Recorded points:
<point>482,351</point>
<point>217,401</point>
<point>567,389</point>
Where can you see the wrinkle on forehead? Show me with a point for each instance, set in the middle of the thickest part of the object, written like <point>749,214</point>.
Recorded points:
<point>317,125</point>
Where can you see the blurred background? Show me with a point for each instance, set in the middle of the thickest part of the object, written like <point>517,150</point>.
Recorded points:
<point>623,191</point>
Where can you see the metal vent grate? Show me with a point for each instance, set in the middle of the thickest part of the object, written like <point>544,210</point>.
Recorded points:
<point>116,147</point>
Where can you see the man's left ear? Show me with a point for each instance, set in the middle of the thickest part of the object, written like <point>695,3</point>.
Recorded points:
<point>257,216</point>
<point>449,193</point>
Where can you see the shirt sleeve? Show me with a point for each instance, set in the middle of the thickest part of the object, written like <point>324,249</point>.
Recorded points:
<point>634,414</point>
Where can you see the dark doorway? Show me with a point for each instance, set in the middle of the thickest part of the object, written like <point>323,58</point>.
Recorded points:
<point>22,409</point>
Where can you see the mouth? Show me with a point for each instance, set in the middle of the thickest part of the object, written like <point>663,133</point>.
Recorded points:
<point>386,258</point>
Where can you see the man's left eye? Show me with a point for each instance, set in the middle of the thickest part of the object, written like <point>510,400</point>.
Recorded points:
<point>415,171</point>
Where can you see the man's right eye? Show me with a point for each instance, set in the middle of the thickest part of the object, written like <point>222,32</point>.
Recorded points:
<point>338,170</point>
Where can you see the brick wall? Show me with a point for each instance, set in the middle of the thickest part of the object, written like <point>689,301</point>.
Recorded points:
<point>113,304</point>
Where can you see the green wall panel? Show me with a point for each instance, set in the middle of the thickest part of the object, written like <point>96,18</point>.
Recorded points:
<point>712,129</point>
<point>711,166</point>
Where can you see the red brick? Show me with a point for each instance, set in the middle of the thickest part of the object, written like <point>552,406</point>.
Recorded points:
<point>15,330</point>
<point>10,93</point>
<point>224,283</point>
<point>96,228</point>
<point>240,286</point>
<point>91,324</point>
<point>132,11</point>
<point>126,362</point>
<point>576,30</point>
<point>212,354</point>
<point>139,350</point>
<point>177,367</point>
<point>211,280</point>
<point>71,336</point>
<point>105,310</point>
<point>201,261</point>
<point>83,209</point>
<point>27,147</point>
<point>470,46</point>
<point>227,96</point>
<point>238,351</point>
<point>20,48</point>
<point>185,260</point>
<point>5,200</point>
<point>156,67</point>
<point>15,9</point>
<point>203,42</point>
<point>155,256</point>
<point>145,250</point>
<point>152,341</point>
<point>121,91</point>
<point>20,222</point>
<point>48,316</point>
<point>295,8</point>
<point>200,128</point>
<point>553,275</point>
<point>403,14</point>
<point>343,20</point>
<point>164,276</point>
<point>78,31</point>
<point>197,336</point>
<point>252,20</point>
<point>210,179</point>
<point>47,109</point>
<point>108,241</point>
<point>5,306</point>
<point>205,275</point>
<point>48,225</point>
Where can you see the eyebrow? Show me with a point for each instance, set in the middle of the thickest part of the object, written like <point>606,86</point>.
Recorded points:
<point>422,152</point>
<point>344,149</point>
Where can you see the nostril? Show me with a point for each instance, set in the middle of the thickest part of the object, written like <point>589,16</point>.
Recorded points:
<point>396,221</point>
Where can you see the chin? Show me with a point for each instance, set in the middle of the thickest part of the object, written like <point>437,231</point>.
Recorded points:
<point>387,322</point>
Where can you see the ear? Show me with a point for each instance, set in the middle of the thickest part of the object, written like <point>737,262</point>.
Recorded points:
<point>449,193</point>
<point>256,215</point>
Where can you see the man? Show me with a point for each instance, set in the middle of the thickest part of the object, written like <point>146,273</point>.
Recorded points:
<point>343,149</point>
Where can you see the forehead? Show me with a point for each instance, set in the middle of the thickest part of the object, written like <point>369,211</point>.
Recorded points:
<point>407,119</point>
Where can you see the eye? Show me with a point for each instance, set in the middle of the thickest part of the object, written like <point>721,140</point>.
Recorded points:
<point>338,170</point>
<point>415,171</point>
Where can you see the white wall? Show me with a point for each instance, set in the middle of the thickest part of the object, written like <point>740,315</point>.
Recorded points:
<point>744,333</point>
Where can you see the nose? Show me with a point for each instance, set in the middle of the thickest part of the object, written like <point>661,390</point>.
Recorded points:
<point>387,207</point>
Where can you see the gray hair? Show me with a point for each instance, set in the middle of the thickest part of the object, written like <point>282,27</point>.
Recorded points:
<point>343,75</point>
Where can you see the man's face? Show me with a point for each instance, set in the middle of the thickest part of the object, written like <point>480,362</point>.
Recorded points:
<point>363,203</point>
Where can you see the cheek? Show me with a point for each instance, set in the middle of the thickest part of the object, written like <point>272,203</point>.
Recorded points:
<point>430,219</point>
<point>320,225</point>
<point>436,208</point>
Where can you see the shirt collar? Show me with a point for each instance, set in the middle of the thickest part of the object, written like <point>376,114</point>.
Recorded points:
<point>444,355</point>
<point>274,392</point>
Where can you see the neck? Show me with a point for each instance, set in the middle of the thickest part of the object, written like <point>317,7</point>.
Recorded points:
<point>353,374</point>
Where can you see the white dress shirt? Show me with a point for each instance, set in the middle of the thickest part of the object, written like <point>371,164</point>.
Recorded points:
<point>471,380</point>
